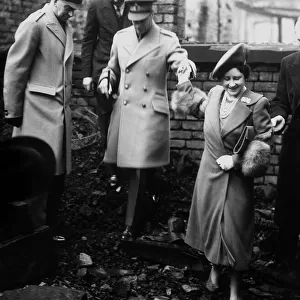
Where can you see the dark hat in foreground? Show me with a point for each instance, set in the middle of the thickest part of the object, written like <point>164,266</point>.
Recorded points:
<point>237,55</point>
<point>76,4</point>
<point>139,10</point>
<point>27,166</point>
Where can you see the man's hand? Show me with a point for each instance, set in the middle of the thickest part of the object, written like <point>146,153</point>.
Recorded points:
<point>183,72</point>
<point>88,83</point>
<point>278,123</point>
<point>16,122</point>
<point>225,162</point>
<point>103,87</point>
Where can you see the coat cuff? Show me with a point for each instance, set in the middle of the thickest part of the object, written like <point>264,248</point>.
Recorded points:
<point>187,100</point>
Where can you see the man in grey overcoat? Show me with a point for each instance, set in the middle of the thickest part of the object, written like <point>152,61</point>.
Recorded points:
<point>37,87</point>
<point>139,131</point>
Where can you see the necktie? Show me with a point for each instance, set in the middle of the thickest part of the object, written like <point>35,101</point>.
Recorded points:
<point>118,11</point>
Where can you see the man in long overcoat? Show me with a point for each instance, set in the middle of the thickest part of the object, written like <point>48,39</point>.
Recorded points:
<point>287,205</point>
<point>37,87</point>
<point>104,18</point>
<point>138,135</point>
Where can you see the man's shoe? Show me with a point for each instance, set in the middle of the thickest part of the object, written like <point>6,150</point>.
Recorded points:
<point>59,238</point>
<point>156,198</point>
<point>127,234</point>
<point>114,185</point>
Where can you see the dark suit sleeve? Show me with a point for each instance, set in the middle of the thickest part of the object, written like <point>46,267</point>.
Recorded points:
<point>280,104</point>
<point>89,40</point>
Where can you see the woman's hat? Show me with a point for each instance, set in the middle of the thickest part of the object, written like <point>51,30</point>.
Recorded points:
<point>139,9</point>
<point>237,55</point>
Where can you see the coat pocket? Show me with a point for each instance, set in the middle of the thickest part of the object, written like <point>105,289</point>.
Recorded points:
<point>160,104</point>
<point>38,88</point>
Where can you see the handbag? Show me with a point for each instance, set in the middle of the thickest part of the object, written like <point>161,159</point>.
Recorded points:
<point>244,140</point>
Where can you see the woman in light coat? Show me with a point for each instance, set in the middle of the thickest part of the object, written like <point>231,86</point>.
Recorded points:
<point>221,221</point>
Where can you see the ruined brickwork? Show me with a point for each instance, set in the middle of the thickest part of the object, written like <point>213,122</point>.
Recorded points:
<point>186,133</point>
<point>12,13</point>
<point>210,21</point>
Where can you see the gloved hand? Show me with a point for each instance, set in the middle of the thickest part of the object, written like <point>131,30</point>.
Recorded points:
<point>88,83</point>
<point>186,70</point>
<point>225,162</point>
<point>16,122</point>
<point>104,87</point>
<point>278,123</point>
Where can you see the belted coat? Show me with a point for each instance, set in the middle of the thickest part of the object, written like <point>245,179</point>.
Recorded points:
<point>38,80</point>
<point>139,132</point>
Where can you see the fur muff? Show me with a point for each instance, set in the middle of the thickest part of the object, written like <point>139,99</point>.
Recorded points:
<point>188,104</point>
<point>256,159</point>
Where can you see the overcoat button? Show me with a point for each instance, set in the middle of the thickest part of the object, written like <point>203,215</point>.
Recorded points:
<point>125,102</point>
<point>144,105</point>
<point>126,86</point>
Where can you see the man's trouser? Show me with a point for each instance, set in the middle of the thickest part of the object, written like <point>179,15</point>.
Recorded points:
<point>103,110</point>
<point>54,201</point>
<point>140,205</point>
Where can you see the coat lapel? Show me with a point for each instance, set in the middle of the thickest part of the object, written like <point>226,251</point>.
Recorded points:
<point>69,42</point>
<point>294,70</point>
<point>239,114</point>
<point>110,15</point>
<point>54,25</point>
<point>212,118</point>
<point>147,44</point>
<point>131,41</point>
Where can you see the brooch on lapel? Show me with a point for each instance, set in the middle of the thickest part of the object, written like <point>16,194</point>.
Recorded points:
<point>246,100</point>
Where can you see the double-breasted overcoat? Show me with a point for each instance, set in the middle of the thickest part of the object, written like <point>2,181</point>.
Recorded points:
<point>139,131</point>
<point>38,81</point>
<point>221,221</point>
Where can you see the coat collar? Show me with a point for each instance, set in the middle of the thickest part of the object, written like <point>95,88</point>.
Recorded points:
<point>54,25</point>
<point>65,37</point>
<point>148,43</point>
<point>240,112</point>
<point>294,71</point>
<point>238,115</point>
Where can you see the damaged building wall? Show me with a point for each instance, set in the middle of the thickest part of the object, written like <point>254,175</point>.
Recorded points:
<point>209,21</point>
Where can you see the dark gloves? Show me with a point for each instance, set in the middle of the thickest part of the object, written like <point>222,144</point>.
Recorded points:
<point>16,122</point>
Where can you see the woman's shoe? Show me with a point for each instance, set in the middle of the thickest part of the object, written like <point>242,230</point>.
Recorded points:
<point>212,287</point>
<point>127,234</point>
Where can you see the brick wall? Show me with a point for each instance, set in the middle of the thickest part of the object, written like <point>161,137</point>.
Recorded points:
<point>187,132</point>
<point>169,14</point>
<point>209,20</point>
<point>12,13</point>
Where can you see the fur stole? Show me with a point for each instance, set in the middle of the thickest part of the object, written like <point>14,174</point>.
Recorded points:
<point>256,159</point>
<point>189,103</point>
